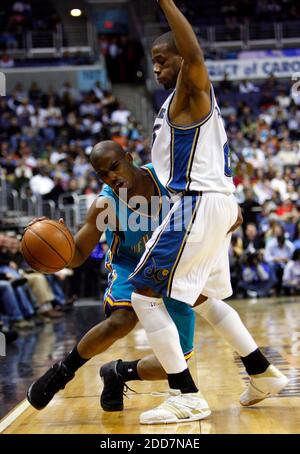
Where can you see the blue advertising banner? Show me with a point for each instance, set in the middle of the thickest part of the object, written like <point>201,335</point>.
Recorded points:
<point>88,77</point>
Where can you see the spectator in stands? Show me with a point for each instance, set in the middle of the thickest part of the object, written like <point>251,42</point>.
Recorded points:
<point>24,111</point>
<point>226,84</point>
<point>23,174</point>
<point>258,278</point>
<point>6,61</point>
<point>254,155</point>
<point>252,241</point>
<point>20,271</point>
<point>262,188</point>
<point>291,275</point>
<point>43,295</point>
<point>41,183</point>
<point>120,115</point>
<point>9,272</point>
<point>250,207</point>
<point>227,109</point>
<point>246,87</point>
<point>69,93</point>
<point>21,8</point>
<point>278,252</point>
<point>283,99</point>
<point>10,305</point>
<point>20,13</point>
<point>90,106</point>
<point>34,92</point>
<point>273,228</point>
<point>112,60</point>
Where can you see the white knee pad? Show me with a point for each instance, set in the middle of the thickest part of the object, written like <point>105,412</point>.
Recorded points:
<point>226,321</point>
<point>214,311</point>
<point>151,312</point>
<point>161,332</point>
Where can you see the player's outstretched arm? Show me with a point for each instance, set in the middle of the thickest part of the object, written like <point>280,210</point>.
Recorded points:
<point>193,71</point>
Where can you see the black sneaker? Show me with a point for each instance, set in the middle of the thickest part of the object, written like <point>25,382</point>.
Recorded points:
<point>42,390</point>
<point>113,387</point>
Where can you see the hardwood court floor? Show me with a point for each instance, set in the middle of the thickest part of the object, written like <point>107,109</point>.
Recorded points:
<point>275,324</point>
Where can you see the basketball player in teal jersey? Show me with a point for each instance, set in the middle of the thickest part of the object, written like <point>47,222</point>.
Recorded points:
<point>126,245</point>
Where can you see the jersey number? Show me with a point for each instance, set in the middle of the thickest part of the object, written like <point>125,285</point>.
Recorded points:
<point>227,158</point>
<point>154,133</point>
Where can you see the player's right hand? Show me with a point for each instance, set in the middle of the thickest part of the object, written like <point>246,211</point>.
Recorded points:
<point>42,218</point>
<point>34,220</point>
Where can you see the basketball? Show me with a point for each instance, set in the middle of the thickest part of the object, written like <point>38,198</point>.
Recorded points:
<point>47,246</point>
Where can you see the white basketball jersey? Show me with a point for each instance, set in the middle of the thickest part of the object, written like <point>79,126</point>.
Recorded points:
<point>192,158</point>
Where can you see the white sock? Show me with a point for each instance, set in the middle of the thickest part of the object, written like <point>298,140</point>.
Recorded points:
<point>226,321</point>
<point>161,332</point>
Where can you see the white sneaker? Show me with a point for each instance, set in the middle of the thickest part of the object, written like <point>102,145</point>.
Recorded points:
<point>178,408</point>
<point>271,382</point>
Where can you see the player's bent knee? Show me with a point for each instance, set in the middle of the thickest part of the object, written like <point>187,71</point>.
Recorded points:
<point>151,312</point>
<point>201,299</point>
<point>147,292</point>
<point>121,322</point>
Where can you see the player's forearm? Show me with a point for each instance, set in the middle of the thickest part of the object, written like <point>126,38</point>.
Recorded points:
<point>84,246</point>
<point>78,259</point>
<point>185,38</point>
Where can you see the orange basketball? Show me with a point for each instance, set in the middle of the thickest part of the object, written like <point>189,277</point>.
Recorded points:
<point>47,246</point>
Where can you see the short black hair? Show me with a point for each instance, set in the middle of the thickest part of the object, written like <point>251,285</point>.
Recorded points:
<point>168,39</point>
<point>102,147</point>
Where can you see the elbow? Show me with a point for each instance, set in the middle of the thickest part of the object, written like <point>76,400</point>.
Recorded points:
<point>77,260</point>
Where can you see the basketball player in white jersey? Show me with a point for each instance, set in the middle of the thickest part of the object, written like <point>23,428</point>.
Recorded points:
<point>187,256</point>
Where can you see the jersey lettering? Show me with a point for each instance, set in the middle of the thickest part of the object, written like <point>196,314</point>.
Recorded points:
<point>227,158</point>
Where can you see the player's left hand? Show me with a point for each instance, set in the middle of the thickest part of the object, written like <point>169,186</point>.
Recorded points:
<point>238,222</point>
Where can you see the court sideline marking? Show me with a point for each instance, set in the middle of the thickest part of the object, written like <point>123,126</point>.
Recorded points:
<point>13,415</point>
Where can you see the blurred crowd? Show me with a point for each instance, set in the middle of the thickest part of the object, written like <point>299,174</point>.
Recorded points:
<point>228,17</point>
<point>124,57</point>
<point>265,145</point>
<point>46,138</point>
<point>27,297</point>
<point>20,16</point>
<point>232,12</point>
